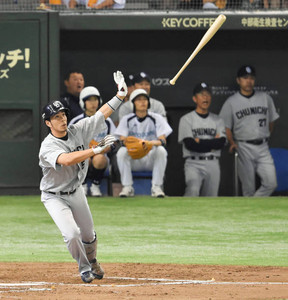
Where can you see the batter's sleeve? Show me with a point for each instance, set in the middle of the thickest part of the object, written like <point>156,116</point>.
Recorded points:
<point>91,126</point>
<point>48,157</point>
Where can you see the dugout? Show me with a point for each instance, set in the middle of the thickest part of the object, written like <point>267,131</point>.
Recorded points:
<point>159,43</point>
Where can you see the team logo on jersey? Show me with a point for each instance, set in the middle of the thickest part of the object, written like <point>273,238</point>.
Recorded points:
<point>204,131</point>
<point>257,110</point>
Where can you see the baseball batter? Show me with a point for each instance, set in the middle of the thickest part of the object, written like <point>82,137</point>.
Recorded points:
<point>202,135</point>
<point>249,116</point>
<point>147,126</point>
<point>64,158</point>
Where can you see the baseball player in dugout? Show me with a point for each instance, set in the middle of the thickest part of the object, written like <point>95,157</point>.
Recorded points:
<point>74,83</point>
<point>143,81</point>
<point>144,136</point>
<point>249,118</point>
<point>202,135</point>
<point>90,102</point>
<point>64,158</point>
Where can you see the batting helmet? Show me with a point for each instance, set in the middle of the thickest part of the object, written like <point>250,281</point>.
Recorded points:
<point>88,92</point>
<point>135,94</point>
<point>52,109</point>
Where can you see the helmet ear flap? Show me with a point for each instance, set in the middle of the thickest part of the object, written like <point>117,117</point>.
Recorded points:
<point>100,101</point>
<point>132,106</point>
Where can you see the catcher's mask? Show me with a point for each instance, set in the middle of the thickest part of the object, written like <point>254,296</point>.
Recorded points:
<point>52,109</point>
<point>88,92</point>
<point>135,94</point>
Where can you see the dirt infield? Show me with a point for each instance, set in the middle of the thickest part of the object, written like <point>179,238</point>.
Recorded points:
<point>142,281</point>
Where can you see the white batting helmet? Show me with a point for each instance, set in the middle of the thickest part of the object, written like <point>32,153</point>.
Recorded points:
<point>136,93</point>
<point>87,92</point>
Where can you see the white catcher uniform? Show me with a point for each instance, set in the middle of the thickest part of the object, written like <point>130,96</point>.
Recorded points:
<point>202,170</point>
<point>248,118</point>
<point>62,192</point>
<point>148,128</point>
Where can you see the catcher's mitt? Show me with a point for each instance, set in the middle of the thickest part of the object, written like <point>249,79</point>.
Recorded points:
<point>137,148</point>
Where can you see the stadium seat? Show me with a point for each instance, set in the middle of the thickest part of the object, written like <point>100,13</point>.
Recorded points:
<point>142,182</point>
<point>280,157</point>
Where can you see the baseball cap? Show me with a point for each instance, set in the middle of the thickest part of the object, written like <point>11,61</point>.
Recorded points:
<point>246,70</point>
<point>201,87</point>
<point>140,77</point>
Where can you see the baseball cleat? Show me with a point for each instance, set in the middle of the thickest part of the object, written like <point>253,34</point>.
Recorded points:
<point>87,276</point>
<point>95,190</point>
<point>156,191</point>
<point>97,270</point>
<point>127,191</point>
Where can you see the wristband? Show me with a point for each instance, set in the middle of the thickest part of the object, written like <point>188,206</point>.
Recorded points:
<point>163,142</point>
<point>114,103</point>
<point>96,149</point>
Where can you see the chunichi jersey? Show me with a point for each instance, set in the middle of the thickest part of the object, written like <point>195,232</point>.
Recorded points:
<point>148,128</point>
<point>194,126</point>
<point>56,177</point>
<point>249,118</point>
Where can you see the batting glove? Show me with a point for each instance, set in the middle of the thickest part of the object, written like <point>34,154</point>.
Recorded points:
<point>120,81</point>
<point>104,144</point>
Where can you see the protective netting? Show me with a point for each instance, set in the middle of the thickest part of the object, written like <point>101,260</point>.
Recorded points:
<point>136,5</point>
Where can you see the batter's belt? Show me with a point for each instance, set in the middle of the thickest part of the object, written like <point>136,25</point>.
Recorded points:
<point>255,142</point>
<point>62,193</point>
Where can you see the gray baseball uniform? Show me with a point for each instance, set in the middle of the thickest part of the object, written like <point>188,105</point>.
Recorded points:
<point>202,171</point>
<point>62,192</point>
<point>248,118</point>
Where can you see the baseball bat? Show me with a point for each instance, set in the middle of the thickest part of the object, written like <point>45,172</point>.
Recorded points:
<point>205,39</point>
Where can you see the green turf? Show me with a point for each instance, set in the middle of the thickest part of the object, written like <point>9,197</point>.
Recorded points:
<point>238,231</point>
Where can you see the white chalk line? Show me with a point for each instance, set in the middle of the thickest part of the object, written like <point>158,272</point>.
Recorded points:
<point>30,286</point>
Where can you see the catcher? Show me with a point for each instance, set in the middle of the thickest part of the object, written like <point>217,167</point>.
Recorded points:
<point>143,135</point>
